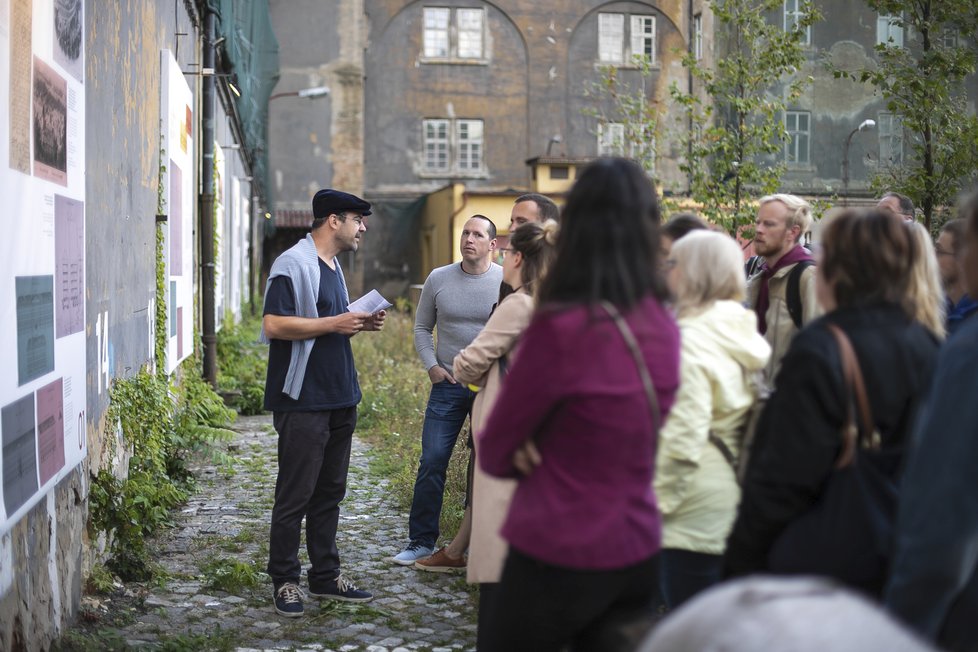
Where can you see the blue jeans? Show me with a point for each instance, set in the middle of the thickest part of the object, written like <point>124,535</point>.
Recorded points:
<point>448,405</point>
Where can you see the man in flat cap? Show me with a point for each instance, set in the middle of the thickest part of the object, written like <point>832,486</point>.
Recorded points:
<point>312,391</point>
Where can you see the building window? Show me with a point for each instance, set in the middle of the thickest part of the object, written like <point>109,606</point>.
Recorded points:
<point>889,31</point>
<point>949,38</point>
<point>453,146</point>
<point>793,13</point>
<point>698,37</point>
<point>796,148</point>
<point>611,139</point>
<point>454,33</point>
<point>891,139</point>
<point>616,46</point>
<point>617,139</point>
<point>559,172</point>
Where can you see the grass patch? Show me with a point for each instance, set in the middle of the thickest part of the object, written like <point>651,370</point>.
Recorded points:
<point>230,575</point>
<point>395,392</point>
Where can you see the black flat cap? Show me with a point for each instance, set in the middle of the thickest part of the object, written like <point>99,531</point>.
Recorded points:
<point>328,201</point>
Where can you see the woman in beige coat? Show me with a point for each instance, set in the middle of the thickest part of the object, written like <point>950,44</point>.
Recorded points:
<point>483,364</point>
<point>695,485</point>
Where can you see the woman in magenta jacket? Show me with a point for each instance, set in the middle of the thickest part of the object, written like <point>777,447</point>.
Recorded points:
<point>574,424</point>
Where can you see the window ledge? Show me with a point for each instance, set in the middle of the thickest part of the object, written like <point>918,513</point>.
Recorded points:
<point>453,174</point>
<point>456,61</point>
<point>655,65</point>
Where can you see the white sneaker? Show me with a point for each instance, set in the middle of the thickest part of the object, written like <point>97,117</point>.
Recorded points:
<point>412,553</point>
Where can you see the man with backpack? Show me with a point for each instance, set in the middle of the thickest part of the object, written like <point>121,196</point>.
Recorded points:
<point>782,289</point>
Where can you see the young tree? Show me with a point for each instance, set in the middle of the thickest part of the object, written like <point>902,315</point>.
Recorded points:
<point>921,77</point>
<point>734,130</point>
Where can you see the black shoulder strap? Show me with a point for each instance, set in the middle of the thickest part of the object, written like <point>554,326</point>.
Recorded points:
<point>751,266</point>
<point>793,296</point>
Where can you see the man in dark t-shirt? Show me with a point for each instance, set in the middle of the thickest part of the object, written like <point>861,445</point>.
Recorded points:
<point>312,390</point>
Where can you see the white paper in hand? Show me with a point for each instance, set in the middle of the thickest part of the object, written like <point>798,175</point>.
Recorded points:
<point>371,302</point>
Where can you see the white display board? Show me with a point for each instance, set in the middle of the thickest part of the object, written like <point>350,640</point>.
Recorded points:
<point>177,117</point>
<point>42,251</point>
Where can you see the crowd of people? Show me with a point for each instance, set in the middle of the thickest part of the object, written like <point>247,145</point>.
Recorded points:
<point>654,424</point>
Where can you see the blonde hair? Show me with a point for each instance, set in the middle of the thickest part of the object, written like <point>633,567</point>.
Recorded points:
<point>710,268</point>
<point>799,211</point>
<point>926,291</point>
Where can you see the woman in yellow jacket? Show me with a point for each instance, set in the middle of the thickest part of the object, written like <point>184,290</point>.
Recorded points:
<point>695,484</point>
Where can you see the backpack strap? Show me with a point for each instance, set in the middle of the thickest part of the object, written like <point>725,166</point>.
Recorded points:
<point>793,297</point>
<point>752,265</point>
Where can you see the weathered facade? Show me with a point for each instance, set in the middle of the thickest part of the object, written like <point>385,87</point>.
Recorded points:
<point>467,91</point>
<point>116,84</point>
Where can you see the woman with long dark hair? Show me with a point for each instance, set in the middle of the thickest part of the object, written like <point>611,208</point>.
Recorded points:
<point>577,420</point>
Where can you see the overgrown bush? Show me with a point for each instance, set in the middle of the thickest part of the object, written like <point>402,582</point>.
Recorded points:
<point>242,362</point>
<point>162,427</point>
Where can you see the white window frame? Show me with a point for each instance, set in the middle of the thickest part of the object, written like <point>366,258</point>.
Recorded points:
<point>799,138</point>
<point>462,37</point>
<point>891,139</point>
<point>614,140</point>
<point>887,30</point>
<point>698,37</point>
<point>792,14</point>
<point>949,38</point>
<point>453,147</point>
<point>619,39</point>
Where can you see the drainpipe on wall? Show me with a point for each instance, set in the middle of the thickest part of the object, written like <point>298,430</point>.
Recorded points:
<point>690,48</point>
<point>207,96</point>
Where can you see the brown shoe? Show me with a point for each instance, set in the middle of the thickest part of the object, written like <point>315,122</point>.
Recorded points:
<point>440,562</point>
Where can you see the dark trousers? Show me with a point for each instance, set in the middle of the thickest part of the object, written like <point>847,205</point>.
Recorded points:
<point>313,460</point>
<point>539,607</point>
<point>487,601</point>
<point>685,573</point>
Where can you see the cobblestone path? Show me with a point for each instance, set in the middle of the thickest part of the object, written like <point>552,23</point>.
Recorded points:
<point>227,521</point>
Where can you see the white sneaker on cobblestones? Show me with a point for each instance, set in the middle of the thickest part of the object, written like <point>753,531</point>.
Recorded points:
<point>412,553</point>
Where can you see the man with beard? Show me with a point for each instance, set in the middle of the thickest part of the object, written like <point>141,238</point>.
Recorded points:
<point>782,291</point>
<point>312,391</point>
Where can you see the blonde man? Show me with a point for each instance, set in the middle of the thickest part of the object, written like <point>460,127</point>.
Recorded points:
<point>782,291</point>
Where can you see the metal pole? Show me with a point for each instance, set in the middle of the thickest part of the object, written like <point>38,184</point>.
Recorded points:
<point>208,330</point>
<point>845,168</point>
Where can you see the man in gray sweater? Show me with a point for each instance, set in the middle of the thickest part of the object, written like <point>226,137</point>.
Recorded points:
<point>456,298</point>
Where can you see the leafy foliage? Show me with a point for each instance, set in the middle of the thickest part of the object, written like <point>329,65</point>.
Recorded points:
<point>923,84</point>
<point>734,129</point>
<point>242,362</point>
<point>161,426</point>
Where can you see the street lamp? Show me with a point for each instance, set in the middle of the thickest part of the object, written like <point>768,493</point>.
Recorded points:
<point>311,93</point>
<point>863,126</point>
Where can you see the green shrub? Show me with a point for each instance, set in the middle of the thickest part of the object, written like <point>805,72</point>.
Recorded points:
<point>162,427</point>
<point>242,362</point>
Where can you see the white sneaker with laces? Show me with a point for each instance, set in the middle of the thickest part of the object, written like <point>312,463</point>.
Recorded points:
<point>412,553</point>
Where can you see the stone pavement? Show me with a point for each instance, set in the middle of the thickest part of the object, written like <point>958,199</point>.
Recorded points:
<point>227,521</point>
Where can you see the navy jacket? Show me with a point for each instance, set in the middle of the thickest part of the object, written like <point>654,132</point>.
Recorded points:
<point>933,584</point>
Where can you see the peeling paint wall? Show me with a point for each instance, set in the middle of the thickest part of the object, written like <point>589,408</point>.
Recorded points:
<point>43,557</point>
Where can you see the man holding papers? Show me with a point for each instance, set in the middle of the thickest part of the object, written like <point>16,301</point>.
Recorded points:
<point>312,391</point>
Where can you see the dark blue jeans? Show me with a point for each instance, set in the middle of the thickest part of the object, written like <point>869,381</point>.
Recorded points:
<point>313,460</point>
<point>684,573</point>
<point>448,405</point>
